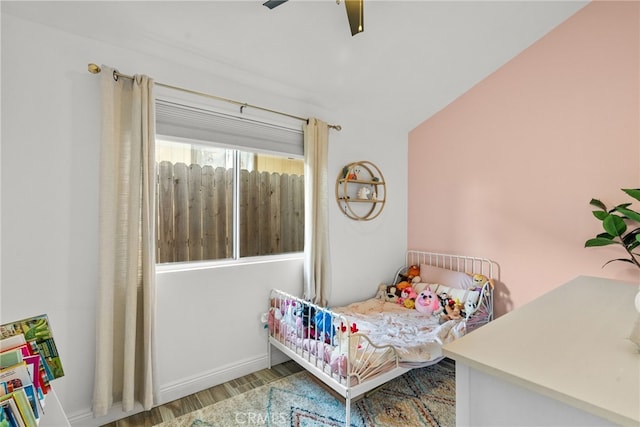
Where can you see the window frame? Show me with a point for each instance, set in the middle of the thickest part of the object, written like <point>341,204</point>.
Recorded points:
<point>236,259</point>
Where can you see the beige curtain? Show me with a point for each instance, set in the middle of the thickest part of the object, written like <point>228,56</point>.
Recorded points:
<point>125,324</point>
<point>317,270</point>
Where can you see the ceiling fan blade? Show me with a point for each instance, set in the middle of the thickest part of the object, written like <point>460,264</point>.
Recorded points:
<point>355,13</point>
<point>273,3</point>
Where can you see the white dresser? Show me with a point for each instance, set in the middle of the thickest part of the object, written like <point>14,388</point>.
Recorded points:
<point>563,359</point>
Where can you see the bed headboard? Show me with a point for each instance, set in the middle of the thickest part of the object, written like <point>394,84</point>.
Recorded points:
<point>463,263</point>
<point>470,265</point>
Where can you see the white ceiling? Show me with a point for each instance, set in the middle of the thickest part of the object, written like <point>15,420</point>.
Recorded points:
<point>413,58</point>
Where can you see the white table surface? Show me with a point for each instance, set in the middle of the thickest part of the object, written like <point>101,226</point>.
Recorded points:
<point>570,344</point>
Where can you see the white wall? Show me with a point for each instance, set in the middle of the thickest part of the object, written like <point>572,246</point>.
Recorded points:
<point>50,158</point>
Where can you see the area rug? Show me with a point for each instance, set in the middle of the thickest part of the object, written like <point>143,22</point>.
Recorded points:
<point>420,397</point>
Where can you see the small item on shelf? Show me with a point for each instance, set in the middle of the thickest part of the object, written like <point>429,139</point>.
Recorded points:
<point>363,193</point>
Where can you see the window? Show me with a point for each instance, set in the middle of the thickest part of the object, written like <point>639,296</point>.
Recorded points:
<point>225,189</point>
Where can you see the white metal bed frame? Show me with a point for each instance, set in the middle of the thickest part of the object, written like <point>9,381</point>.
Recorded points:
<point>370,366</point>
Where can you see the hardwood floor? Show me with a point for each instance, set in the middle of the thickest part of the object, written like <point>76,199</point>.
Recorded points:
<point>207,397</point>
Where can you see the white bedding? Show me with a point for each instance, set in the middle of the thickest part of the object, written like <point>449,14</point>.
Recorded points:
<point>417,338</point>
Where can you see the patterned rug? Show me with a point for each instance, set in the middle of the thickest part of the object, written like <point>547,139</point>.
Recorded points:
<point>421,397</point>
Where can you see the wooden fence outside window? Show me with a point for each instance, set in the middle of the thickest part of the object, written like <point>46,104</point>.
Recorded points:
<point>195,213</point>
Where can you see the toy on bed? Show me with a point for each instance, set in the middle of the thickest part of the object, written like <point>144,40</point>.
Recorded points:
<point>407,297</point>
<point>427,302</point>
<point>389,293</point>
<point>452,310</point>
<point>410,276</point>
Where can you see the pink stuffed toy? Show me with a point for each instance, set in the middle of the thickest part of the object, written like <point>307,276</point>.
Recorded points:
<point>427,302</point>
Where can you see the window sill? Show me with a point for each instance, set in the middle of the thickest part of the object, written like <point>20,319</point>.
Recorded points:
<point>214,264</point>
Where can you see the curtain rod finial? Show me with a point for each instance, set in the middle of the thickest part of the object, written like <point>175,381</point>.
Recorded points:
<point>93,68</point>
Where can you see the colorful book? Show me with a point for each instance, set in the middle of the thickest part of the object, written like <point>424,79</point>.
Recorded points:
<point>20,402</point>
<point>24,407</point>
<point>36,361</point>
<point>13,414</point>
<point>16,376</point>
<point>38,333</point>
<point>12,342</point>
<point>10,358</point>
<point>6,418</point>
<point>33,363</point>
<point>34,401</point>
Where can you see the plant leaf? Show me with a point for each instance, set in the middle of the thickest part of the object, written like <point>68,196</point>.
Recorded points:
<point>614,225</point>
<point>633,192</point>
<point>606,236</point>
<point>633,215</point>
<point>601,215</point>
<point>622,205</point>
<point>631,237</point>
<point>598,204</point>
<point>599,241</point>
<point>618,259</point>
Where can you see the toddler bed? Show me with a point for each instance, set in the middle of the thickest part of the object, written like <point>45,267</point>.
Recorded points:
<point>432,300</point>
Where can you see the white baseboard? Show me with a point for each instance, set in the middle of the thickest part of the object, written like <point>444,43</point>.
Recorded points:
<point>179,389</point>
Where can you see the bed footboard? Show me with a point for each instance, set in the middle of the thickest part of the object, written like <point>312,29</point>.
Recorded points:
<point>326,345</point>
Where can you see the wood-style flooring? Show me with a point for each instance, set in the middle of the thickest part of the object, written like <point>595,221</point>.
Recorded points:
<point>207,397</point>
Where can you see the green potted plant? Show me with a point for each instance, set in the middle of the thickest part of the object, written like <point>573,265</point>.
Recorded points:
<point>622,227</point>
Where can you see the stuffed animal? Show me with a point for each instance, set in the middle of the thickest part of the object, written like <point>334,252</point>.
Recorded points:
<point>412,272</point>
<point>388,293</point>
<point>426,302</point>
<point>403,284</point>
<point>444,299</point>
<point>407,294</point>
<point>469,307</point>
<point>453,310</point>
<point>479,280</point>
<point>410,303</point>
<point>323,327</point>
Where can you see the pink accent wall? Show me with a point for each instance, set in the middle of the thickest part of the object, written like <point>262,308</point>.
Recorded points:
<point>508,169</point>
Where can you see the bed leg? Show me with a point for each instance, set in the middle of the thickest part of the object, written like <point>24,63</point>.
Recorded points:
<point>347,417</point>
<point>268,354</point>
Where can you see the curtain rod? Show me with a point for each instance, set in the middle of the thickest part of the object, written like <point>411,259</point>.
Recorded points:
<point>95,69</point>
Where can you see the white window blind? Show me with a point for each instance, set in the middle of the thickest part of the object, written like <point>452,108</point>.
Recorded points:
<point>184,121</point>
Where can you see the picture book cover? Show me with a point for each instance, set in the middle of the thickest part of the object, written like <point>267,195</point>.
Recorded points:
<point>10,358</point>
<point>20,396</point>
<point>12,413</point>
<point>34,402</point>
<point>29,353</point>
<point>12,342</point>
<point>37,330</point>
<point>33,363</point>
<point>6,418</point>
<point>16,376</point>
<point>24,413</point>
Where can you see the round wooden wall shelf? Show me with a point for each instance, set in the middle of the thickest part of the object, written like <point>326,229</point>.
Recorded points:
<point>361,191</point>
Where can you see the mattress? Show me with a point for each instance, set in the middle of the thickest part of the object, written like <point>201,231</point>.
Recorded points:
<point>417,338</point>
